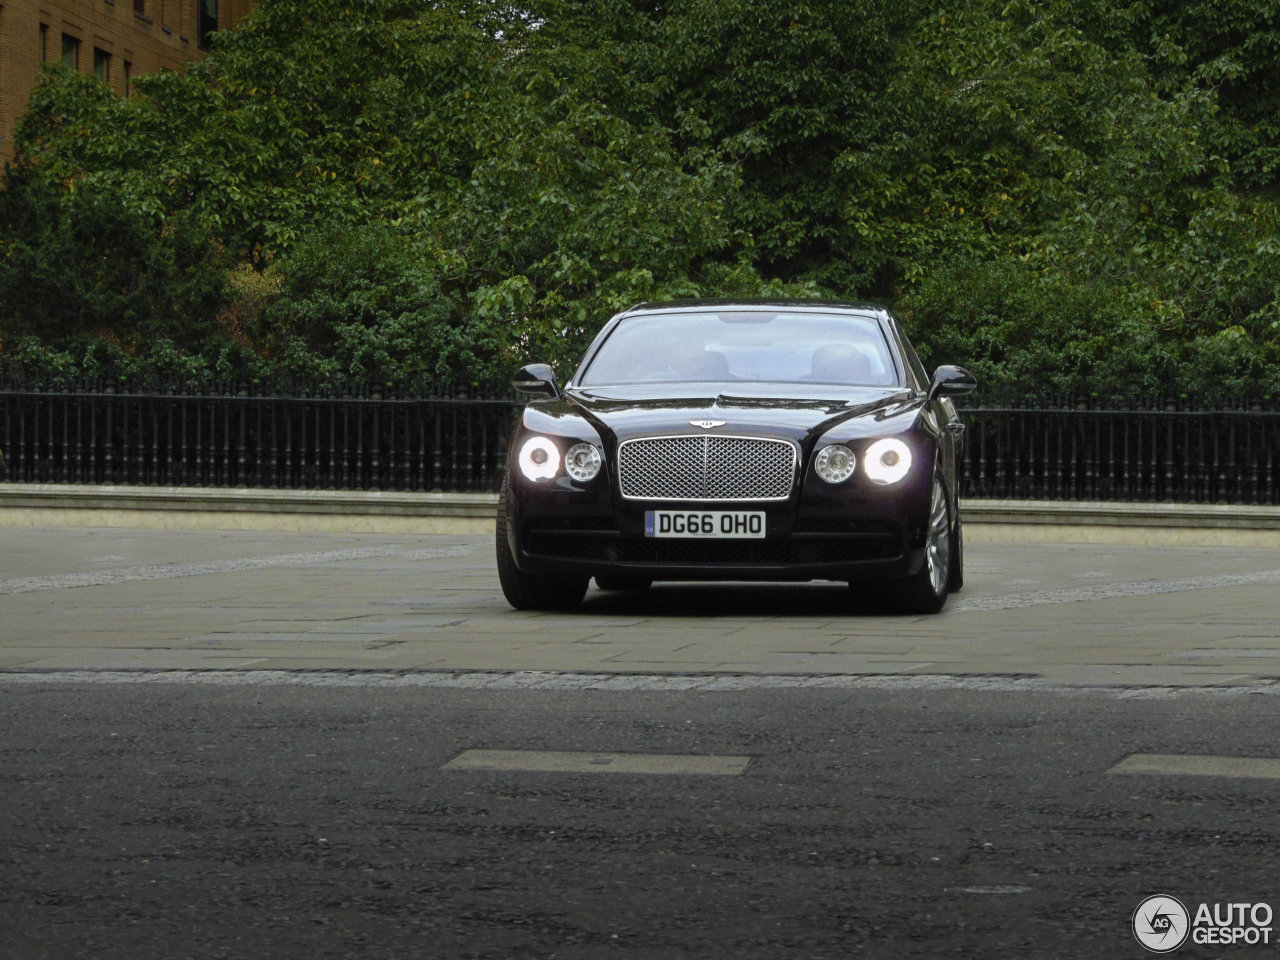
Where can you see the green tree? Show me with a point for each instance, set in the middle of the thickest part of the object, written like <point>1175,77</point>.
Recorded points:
<point>84,279</point>
<point>1051,188</point>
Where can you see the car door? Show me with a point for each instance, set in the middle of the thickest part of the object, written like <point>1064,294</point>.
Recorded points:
<point>944,414</point>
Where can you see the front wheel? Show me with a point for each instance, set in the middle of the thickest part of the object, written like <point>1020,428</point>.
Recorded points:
<point>526,592</point>
<point>926,590</point>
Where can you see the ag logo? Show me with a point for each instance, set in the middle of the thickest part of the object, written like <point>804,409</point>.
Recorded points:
<point>1161,924</point>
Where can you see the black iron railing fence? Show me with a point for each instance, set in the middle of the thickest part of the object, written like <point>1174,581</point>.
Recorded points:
<point>452,437</point>
<point>1145,449</point>
<point>426,437</point>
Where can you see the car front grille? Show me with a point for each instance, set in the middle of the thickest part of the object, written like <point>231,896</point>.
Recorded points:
<point>706,468</point>
<point>715,552</point>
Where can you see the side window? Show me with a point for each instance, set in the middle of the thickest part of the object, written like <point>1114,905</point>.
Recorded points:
<point>913,361</point>
<point>71,51</point>
<point>102,65</point>
<point>917,366</point>
<point>206,22</point>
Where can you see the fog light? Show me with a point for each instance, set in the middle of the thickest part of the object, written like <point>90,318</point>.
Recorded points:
<point>539,459</point>
<point>887,461</point>
<point>582,462</point>
<point>835,463</point>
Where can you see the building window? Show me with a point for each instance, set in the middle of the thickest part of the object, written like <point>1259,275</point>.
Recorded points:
<point>71,52</point>
<point>206,22</point>
<point>44,42</point>
<point>139,8</point>
<point>128,78</point>
<point>102,65</point>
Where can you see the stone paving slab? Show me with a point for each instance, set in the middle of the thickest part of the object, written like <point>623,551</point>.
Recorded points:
<point>1078,614</point>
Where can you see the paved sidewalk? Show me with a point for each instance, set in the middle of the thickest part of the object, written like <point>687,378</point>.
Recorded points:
<point>1090,615</point>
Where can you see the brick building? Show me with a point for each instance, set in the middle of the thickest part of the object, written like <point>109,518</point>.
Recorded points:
<point>115,39</point>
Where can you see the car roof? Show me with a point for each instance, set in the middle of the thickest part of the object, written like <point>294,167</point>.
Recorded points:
<point>748,303</point>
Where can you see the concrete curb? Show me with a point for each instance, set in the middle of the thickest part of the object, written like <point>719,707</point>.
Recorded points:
<point>1202,515</point>
<point>240,499</point>
<point>215,508</point>
<point>360,511</point>
<point>1132,524</point>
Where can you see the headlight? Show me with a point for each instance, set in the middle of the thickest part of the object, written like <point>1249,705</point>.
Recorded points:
<point>582,462</point>
<point>887,461</point>
<point>539,459</point>
<point>835,463</point>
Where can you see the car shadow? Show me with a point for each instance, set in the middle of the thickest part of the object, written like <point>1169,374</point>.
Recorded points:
<point>740,600</point>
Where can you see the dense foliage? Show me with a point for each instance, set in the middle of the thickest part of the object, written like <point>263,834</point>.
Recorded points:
<point>1057,193</point>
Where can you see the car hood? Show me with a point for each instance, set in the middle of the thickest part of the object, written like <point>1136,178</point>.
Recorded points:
<point>799,412</point>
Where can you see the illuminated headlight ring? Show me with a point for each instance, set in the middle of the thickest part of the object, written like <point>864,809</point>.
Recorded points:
<point>887,461</point>
<point>835,464</point>
<point>582,462</point>
<point>539,459</point>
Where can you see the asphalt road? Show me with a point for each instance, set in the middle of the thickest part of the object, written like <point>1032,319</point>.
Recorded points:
<point>200,820</point>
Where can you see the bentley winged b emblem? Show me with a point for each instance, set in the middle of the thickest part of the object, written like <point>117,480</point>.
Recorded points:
<point>706,424</point>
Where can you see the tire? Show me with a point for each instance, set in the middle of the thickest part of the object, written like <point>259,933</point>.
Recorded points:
<point>926,591</point>
<point>623,583</point>
<point>957,558</point>
<point>525,592</point>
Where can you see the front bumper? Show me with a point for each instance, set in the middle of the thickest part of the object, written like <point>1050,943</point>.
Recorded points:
<point>561,529</point>
<point>870,555</point>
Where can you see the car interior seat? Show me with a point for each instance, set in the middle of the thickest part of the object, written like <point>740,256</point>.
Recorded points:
<point>840,363</point>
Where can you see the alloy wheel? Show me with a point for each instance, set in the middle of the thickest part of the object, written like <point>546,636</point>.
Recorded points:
<point>939,554</point>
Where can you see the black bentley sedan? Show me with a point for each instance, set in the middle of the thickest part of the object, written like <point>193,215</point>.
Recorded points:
<point>743,440</point>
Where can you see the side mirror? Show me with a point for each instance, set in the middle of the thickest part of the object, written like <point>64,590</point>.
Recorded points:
<point>537,380</point>
<point>951,381</point>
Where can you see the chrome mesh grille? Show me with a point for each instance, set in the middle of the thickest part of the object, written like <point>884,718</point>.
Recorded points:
<point>706,468</point>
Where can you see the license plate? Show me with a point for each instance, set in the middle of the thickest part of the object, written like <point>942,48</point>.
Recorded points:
<point>705,524</point>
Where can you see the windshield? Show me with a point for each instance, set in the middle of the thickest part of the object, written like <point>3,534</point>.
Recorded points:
<point>753,347</point>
